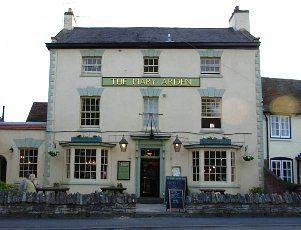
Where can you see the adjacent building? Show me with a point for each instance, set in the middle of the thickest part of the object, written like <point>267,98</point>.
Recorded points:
<point>134,105</point>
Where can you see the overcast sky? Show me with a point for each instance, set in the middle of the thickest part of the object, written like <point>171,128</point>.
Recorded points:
<point>27,25</point>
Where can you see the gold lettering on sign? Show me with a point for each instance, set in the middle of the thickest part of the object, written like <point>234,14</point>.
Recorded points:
<point>164,82</point>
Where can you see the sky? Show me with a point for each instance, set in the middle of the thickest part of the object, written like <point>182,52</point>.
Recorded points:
<point>27,25</point>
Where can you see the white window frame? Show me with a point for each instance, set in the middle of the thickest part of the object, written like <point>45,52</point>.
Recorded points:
<point>97,64</point>
<point>210,65</point>
<point>211,110</point>
<point>230,167</point>
<point>99,165</point>
<point>280,127</point>
<point>25,159</point>
<point>151,111</point>
<point>279,169</point>
<point>85,113</point>
<point>149,65</point>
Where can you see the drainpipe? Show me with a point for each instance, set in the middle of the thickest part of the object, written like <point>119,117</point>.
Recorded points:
<point>267,139</point>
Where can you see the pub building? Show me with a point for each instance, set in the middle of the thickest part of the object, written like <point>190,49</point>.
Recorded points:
<point>134,105</point>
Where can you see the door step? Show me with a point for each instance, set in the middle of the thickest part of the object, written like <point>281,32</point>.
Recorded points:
<point>150,200</point>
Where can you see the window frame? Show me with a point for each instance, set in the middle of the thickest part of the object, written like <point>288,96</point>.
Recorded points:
<point>84,72</point>
<point>98,164</point>
<point>280,117</point>
<point>148,58</point>
<point>210,65</point>
<point>35,171</point>
<point>211,117</point>
<point>283,160</point>
<point>90,112</point>
<point>155,112</point>
<point>201,171</point>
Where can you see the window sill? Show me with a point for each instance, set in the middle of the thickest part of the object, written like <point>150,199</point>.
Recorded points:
<point>215,185</point>
<point>104,182</point>
<point>89,129</point>
<point>211,75</point>
<point>208,130</point>
<point>91,75</point>
<point>280,139</point>
<point>151,75</point>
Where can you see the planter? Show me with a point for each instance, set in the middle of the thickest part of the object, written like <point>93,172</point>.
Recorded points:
<point>54,153</point>
<point>248,158</point>
<point>209,141</point>
<point>80,139</point>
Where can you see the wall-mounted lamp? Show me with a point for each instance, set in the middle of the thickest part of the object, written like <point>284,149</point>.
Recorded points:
<point>123,144</point>
<point>11,149</point>
<point>177,144</point>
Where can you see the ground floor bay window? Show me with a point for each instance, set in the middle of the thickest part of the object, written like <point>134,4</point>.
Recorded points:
<point>86,164</point>
<point>210,166</point>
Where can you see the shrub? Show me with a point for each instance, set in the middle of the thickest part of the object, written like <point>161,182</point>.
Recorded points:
<point>9,187</point>
<point>255,190</point>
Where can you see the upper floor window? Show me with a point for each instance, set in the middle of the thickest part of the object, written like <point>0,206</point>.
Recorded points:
<point>151,111</point>
<point>91,65</point>
<point>283,168</point>
<point>280,126</point>
<point>151,65</point>
<point>210,65</point>
<point>90,111</point>
<point>211,112</point>
<point>28,162</point>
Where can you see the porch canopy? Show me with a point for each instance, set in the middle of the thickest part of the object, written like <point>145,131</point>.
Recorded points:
<point>213,143</point>
<point>86,141</point>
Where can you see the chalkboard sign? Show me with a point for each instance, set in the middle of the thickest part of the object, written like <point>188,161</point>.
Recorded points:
<point>178,183</point>
<point>176,199</point>
<point>123,170</point>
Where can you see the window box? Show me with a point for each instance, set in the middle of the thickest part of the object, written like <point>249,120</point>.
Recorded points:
<point>213,141</point>
<point>81,139</point>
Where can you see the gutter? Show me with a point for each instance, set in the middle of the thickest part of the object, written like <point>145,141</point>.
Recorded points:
<point>267,139</point>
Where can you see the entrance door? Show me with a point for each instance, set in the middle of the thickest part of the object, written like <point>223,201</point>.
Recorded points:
<point>150,173</point>
<point>3,165</point>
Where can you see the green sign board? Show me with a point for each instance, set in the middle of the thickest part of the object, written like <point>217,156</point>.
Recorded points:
<point>151,81</point>
<point>123,170</point>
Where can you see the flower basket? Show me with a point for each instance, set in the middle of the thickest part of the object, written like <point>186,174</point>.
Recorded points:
<point>53,153</point>
<point>248,158</point>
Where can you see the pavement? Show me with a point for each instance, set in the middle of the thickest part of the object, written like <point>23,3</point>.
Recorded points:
<point>274,223</point>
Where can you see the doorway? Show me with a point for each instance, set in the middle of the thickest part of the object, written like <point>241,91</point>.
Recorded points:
<point>3,165</point>
<point>150,172</point>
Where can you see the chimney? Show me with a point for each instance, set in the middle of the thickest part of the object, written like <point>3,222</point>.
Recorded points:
<point>240,19</point>
<point>68,19</point>
<point>2,118</point>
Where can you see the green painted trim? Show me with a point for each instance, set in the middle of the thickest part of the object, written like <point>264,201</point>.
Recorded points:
<point>92,53</point>
<point>74,144</point>
<point>151,53</point>
<point>211,92</point>
<point>198,146</point>
<point>150,144</point>
<point>150,92</point>
<point>28,143</point>
<point>90,91</point>
<point>210,53</point>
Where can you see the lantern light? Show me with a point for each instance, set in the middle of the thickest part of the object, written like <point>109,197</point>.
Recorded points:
<point>123,144</point>
<point>177,144</point>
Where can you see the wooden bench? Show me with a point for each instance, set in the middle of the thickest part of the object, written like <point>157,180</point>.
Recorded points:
<point>115,190</point>
<point>205,190</point>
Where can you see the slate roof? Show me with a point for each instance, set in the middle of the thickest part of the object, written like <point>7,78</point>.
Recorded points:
<point>38,112</point>
<point>152,37</point>
<point>281,96</point>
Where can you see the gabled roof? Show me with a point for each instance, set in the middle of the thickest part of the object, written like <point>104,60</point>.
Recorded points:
<point>281,96</point>
<point>38,112</point>
<point>153,37</point>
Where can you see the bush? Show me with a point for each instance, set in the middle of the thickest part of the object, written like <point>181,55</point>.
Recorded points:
<point>9,187</point>
<point>257,190</point>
